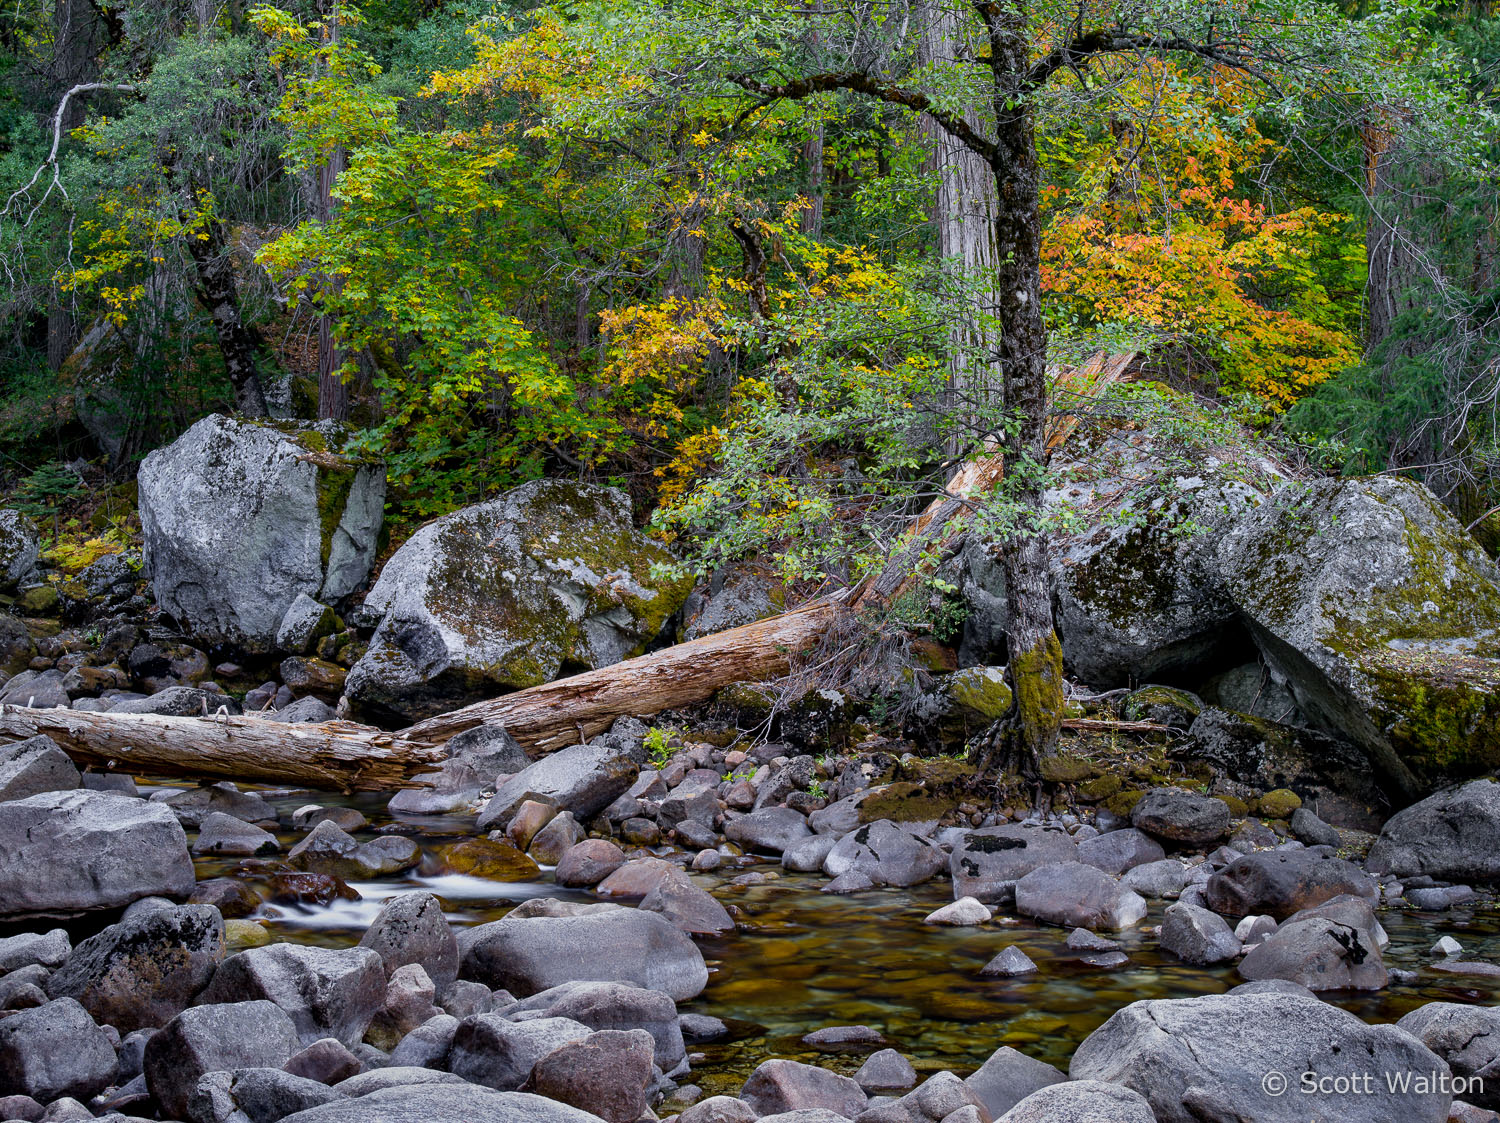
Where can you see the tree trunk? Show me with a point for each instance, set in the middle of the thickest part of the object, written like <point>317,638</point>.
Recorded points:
<point>811,220</point>
<point>333,756</point>
<point>965,211</point>
<point>219,295</point>
<point>340,755</point>
<point>1035,664</point>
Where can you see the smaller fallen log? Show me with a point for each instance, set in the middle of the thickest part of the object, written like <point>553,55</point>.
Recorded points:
<point>333,755</point>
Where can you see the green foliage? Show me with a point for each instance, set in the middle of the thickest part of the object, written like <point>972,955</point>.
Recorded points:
<point>47,490</point>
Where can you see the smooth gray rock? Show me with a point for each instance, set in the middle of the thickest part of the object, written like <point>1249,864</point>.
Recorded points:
<point>426,1103</point>
<point>719,1109</point>
<point>779,1085</point>
<point>65,852</point>
<point>1117,851</point>
<point>1078,896</point>
<point>306,621</point>
<point>195,805</point>
<point>33,766</point>
<point>411,928</point>
<point>142,972</point>
<point>1009,963</point>
<point>1194,1057</point>
<point>885,1070</point>
<point>237,523</point>
<point>1281,882</point>
<point>1468,1038</point>
<point>214,1038</point>
<point>1008,1076</point>
<point>54,1050</point>
<point>426,1046</point>
<point>1307,828</point>
<point>227,836</point>
<point>326,992</point>
<point>491,1050</point>
<point>691,909</point>
<point>330,850</point>
<point>1332,946</point>
<point>608,1073</point>
<point>1196,935</point>
<point>1165,878</point>
<point>179,701</point>
<point>327,1061</point>
<point>887,855</point>
<point>619,945</point>
<point>1082,1101</point>
<point>809,854</point>
<point>503,594</point>
<point>254,1095</point>
<point>50,949</point>
<point>771,829</point>
<point>1183,817</point>
<point>582,779</point>
<point>1453,834</point>
<point>986,863</point>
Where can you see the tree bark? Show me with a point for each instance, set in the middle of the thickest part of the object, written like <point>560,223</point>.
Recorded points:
<point>219,296</point>
<point>1035,663</point>
<point>334,756</point>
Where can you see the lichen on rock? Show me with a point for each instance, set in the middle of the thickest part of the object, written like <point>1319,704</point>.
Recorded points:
<point>550,577</point>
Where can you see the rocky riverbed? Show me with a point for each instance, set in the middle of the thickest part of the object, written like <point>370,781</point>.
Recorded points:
<point>631,943</point>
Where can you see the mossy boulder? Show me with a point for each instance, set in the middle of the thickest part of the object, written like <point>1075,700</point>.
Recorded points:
<point>1164,705</point>
<point>1278,804</point>
<point>240,517</point>
<point>960,705</point>
<point>1383,615</point>
<point>549,578</point>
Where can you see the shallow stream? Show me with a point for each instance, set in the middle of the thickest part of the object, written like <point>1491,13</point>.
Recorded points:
<point>807,960</point>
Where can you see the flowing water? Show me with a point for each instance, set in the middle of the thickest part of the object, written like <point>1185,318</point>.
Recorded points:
<point>806,960</point>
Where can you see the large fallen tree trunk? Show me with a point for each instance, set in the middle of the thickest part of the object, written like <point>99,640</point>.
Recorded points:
<point>341,755</point>
<point>345,756</point>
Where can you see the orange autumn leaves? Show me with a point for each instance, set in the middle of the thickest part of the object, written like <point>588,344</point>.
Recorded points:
<point>1154,223</point>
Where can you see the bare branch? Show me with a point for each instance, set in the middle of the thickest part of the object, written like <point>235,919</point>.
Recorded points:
<point>51,160</point>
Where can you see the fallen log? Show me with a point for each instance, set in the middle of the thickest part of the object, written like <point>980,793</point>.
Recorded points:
<point>341,755</point>
<point>332,755</point>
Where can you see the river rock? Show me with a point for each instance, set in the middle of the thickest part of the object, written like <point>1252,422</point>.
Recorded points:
<point>771,829</point>
<point>196,804</point>
<point>1077,896</point>
<point>239,518</point>
<point>962,913</point>
<point>49,949</point>
<point>615,1006</point>
<point>1008,964</point>
<point>328,1061</point>
<point>20,546</point>
<point>505,594</point>
<point>215,1038</point>
<point>142,972</point>
<point>986,863</point>
<point>65,852</point>
<point>328,850</point>
<point>1118,851</point>
<point>583,779</point>
<point>1333,946</point>
<point>445,1103</point>
<point>690,908</point>
<point>608,1073</point>
<point>1008,1076</point>
<point>1082,1101</point>
<point>411,928</point>
<point>428,1045</point>
<point>1453,834</point>
<point>1382,613</point>
<point>1195,935</point>
<point>226,836</point>
<point>1207,1057</point>
<point>1468,1038</point>
<point>1184,817</point>
<point>887,855</point>
<point>617,945</point>
<point>33,766</point>
<point>1281,882</point>
<point>1165,878</point>
<point>498,1053</point>
<point>254,1095</point>
<point>327,992</point>
<point>779,1085</point>
<point>885,1070</point>
<point>588,863</point>
<point>52,1051</point>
